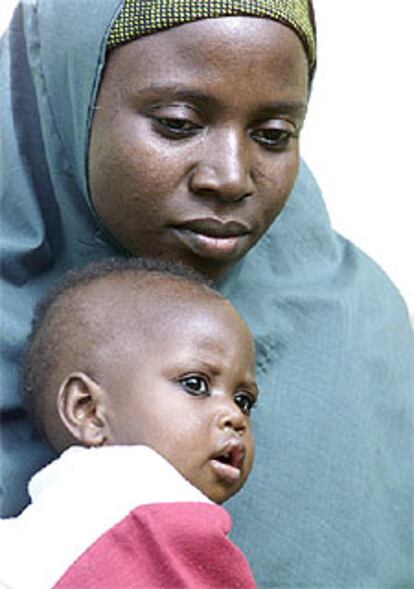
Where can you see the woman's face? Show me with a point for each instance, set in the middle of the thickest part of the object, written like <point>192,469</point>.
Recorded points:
<point>194,144</point>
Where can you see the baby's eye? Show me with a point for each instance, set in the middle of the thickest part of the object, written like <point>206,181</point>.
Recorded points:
<point>195,384</point>
<point>245,402</point>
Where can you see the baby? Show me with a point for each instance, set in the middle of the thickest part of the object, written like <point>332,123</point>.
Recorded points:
<point>142,378</point>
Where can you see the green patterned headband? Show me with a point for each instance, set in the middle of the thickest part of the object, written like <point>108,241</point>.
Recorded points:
<point>143,17</point>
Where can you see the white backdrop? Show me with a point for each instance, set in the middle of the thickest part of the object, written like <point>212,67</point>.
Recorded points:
<point>358,138</point>
<point>359,134</point>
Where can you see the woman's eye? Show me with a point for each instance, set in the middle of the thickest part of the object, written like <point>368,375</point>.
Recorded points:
<point>177,127</point>
<point>195,385</point>
<point>277,139</point>
<point>244,402</point>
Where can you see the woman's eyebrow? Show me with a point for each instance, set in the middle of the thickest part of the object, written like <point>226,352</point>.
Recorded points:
<point>292,107</point>
<point>174,92</point>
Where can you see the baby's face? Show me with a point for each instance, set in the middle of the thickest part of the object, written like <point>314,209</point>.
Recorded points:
<point>187,392</point>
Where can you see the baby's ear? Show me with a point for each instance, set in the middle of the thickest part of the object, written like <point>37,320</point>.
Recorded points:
<point>80,405</point>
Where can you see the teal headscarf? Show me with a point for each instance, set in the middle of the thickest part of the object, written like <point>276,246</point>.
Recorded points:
<point>330,499</point>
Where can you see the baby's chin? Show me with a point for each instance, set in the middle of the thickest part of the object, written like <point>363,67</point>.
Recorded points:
<point>221,493</point>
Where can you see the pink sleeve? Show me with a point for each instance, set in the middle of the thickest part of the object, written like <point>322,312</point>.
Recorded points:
<point>163,545</point>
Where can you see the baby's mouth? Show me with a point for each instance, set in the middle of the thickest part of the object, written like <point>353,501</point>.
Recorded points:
<point>228,461</point>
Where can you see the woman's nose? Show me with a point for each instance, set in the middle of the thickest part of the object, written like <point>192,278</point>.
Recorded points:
<point>223,168</point>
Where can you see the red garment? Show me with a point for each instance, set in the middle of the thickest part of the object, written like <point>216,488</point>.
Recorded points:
<point>118,517</point>
<point>163,546</point>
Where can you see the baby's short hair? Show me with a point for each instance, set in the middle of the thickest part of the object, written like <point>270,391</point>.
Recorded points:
<point>53,331</point>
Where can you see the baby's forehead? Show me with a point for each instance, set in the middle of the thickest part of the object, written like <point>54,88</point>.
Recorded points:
<point>128,299</point>
<point>159,314</point>
<point>147,290</point>
<point>131,320</point>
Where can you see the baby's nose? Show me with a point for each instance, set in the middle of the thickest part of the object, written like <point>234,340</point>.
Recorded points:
<point>230,416</point>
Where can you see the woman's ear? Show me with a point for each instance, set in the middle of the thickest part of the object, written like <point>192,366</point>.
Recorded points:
<point>81,407</point>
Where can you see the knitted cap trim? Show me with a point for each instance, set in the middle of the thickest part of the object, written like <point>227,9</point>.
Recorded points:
<point>143,17</point>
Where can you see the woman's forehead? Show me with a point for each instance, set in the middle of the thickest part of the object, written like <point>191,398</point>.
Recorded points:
<point>201,55</point>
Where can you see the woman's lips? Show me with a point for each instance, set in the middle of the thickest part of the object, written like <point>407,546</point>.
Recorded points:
<point>213,238</point>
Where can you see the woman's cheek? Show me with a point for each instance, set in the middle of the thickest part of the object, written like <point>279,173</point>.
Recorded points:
<point>278,183</point>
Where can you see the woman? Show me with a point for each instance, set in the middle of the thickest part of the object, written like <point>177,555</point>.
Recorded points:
<point>187,147</point>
